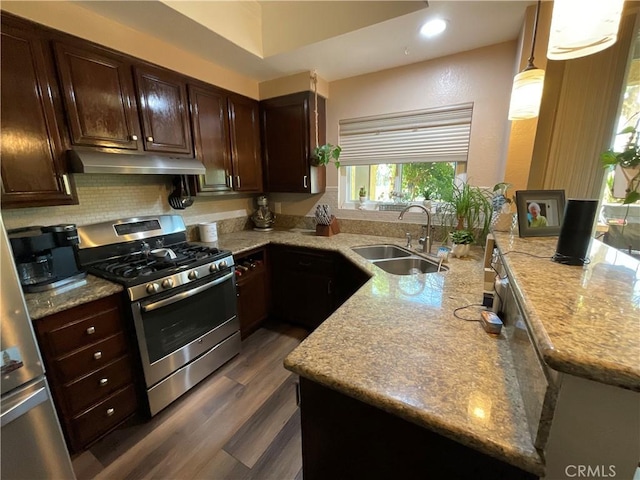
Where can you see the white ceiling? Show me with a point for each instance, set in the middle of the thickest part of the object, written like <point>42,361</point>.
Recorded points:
<point>386,44</point>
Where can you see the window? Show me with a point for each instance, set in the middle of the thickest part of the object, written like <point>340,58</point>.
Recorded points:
<point>406,156</point>
<point>397,182</point>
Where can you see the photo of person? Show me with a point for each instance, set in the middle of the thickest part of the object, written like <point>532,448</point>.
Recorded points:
<point>535,219</point>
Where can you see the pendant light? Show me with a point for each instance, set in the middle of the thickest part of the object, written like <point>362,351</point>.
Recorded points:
<point>582,27</point>
<point>527,85</point>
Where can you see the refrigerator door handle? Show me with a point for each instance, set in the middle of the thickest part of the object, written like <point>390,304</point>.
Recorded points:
<point>23,406</point>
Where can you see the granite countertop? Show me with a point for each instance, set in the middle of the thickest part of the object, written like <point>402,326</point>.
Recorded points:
<point>585,320</point>
<point>46,303</point>
<point>396,344</point>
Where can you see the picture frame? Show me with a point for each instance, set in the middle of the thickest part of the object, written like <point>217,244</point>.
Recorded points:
<point>540,212</point>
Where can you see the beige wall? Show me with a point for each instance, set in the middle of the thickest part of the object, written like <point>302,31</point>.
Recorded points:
<point>482,76</point>
<point>73,19</point>
<point>299,82</point>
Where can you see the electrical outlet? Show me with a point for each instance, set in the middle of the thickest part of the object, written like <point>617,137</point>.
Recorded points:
<point>277,207</point>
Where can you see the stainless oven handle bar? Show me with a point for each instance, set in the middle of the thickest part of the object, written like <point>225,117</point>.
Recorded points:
<point>187,294</point>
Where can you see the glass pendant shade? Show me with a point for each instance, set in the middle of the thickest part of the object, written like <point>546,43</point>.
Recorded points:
<point>526,94</point>
<point>582,27</point>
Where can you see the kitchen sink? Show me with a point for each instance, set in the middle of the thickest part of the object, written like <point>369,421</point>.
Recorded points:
<point>398,260</point>
<point>379,252</point>
<point>409,266</point>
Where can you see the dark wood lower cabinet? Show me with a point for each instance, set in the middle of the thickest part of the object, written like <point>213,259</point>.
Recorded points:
<point>89,365</point>
<point>252,288</point>
<point>308,285</point>
<point>345,438</point>
<point>303,285</point>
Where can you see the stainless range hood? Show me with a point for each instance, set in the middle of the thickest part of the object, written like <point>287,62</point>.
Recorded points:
<point>82,161</point>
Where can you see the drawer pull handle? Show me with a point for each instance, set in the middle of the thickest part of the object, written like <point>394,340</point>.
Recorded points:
<point>110,411</point>
<point>91,330</point>
<point>103,381</point>
<point>97,355</point>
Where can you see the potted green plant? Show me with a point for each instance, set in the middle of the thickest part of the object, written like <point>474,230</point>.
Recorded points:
<point>468,208</point>
<point>324,154</point>
<point>629,161</point>
<point>426,194</point>
<point>362,194</point>
<point>461,240</point>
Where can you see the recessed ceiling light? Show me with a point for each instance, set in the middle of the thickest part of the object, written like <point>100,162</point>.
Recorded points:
<point>433,27</point>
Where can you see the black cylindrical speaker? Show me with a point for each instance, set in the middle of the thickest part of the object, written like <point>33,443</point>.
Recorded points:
<point>575,232</point>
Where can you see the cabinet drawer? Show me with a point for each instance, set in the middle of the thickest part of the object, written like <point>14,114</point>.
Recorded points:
<point>90,358</point>
<point>308,261</point>
<point>104,416</point>
<point>84,332</point>
<point>88,390</point>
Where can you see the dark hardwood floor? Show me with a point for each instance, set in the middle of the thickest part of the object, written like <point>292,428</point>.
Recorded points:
<point>241,422</point>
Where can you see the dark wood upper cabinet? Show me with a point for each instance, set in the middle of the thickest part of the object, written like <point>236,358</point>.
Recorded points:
<point>210,123</point>
<point>288,136</point>
<point>33,170</point>
<point>99,98</point>
<point>164,111</point>
<point>245,144</point>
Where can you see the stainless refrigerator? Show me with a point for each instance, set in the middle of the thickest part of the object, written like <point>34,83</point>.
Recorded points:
<point>31,440</point>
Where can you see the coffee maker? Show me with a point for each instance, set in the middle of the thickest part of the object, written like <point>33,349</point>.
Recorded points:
<point>46,256</point>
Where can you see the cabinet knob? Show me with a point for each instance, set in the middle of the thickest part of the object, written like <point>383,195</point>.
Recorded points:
<point>91,330</point>
<point>134,138</point>
<point>110,411</point>
<point>97,355</point>
<point>103,381</point>
<point>149,139</point>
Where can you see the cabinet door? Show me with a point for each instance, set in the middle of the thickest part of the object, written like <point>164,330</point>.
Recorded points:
<point>164,111</point>
<point>32,149</point>
<point>245,144</point>
<point>303,286</point>
<point>288,136</point>
<point>99,99</point>
<point>211,138</point>
<point>252,302</point>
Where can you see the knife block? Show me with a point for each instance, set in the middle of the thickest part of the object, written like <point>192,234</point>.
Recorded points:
<point>328,230</point>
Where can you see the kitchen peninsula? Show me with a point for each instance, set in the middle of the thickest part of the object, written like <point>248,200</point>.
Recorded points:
<point>396,346</point>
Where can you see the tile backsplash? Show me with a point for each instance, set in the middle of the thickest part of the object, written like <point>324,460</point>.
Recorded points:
<point>108,197</point>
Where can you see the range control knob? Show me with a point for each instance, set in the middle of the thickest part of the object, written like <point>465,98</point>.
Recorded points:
<point>223,264</point>
<point>167,283</point>
<point>193,275</point>
<point>213,267</point>
<point>153,288</point>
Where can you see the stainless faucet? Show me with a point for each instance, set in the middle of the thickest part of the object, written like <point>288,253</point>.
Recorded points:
<point>425,237</point>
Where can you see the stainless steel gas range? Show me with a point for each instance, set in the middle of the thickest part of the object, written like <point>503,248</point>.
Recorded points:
<point>182,298</point>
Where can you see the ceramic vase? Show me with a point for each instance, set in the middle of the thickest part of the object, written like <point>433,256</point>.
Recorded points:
<point>460,250</point>
<point>501,222</point>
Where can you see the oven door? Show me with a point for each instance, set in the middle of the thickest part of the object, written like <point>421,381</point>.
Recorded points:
<point>173,328</point>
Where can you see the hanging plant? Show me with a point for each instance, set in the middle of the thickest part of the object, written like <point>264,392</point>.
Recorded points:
<point>322,154</point>
<point>326,153</point>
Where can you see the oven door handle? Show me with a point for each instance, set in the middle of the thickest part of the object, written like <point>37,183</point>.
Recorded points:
<point>189,293</point>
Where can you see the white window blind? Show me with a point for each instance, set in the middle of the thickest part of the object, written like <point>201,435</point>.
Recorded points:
<point>433,135</point>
